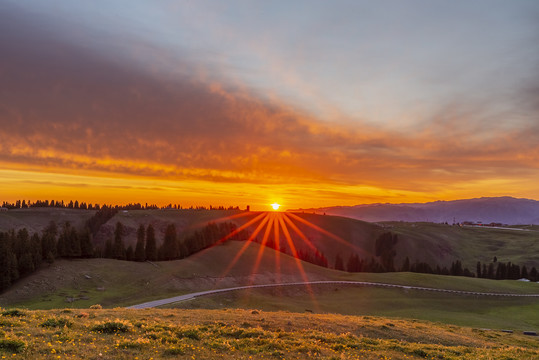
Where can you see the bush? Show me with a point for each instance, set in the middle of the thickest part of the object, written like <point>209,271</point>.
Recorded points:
<point>56,323</point>
<point>174,351</point>
<point>96,307</point>
<point>12,346</point>
<point>13,313</point>
<point>189,333</point>
<point>111,327</point>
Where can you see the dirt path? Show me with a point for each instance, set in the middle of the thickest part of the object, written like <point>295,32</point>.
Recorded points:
<point>191,296</point>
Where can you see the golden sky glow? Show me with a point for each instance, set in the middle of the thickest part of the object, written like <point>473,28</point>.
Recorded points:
<point>124,118</point>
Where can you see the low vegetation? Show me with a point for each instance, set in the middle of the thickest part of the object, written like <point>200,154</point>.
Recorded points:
<point>245,334</point>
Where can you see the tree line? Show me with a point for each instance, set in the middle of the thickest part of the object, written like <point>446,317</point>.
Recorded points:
<point>26,204</point>
<point>21,253</point>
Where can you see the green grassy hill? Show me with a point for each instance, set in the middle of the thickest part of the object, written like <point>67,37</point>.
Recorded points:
<point>113,283</point>
<point>427,241</point>
<point>239,334</point>
<point>36,219</point>
<point>436,244</point>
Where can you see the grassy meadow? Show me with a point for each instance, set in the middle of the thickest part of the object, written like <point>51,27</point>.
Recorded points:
<point>244,334</point>
<point>113,283</point>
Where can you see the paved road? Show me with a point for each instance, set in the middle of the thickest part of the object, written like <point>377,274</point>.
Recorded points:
<point>191,296</point>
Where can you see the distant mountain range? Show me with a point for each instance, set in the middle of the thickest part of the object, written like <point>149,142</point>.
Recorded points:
<point>505,210</point>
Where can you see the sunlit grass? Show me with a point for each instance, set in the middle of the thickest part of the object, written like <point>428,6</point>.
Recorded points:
<point>245,334</point>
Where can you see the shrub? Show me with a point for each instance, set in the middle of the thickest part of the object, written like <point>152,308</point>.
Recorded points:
<point>13,313</point>
<point>111,327</point>
<point>13,346</point>
<point>189,333</point>
<point>56,323</point>
<point>96,307</point>
<point>174,351</point>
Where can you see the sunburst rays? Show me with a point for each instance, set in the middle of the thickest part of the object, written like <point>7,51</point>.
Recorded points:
<point>279,231</point>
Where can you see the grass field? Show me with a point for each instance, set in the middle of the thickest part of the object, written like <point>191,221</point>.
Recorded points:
<point>469,244</point>
<point>428,242</point>
<point>114,283</point>
<point>241,334</point>
<point>36,219</point>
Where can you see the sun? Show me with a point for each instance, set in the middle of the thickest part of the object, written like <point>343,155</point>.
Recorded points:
<point>275,206</point>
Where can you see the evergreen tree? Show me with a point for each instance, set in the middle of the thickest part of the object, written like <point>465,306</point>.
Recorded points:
<point>406,265</point>
<point>491,274</point>
<point>86,245</point>
<point>524,272</point>
<point>170,243</point>
<point>140,254</point>
<point>5,261</point>
<point>339,264</point>
<point>478,269</point>
<point>118,248</point>
<point>48,241</point>
<point>63,245</point>
<point>354,264</point>
<point>14,268</point>
<point>533,274</point>
<point>37,257</point>
<point>484,273</point>
<point>74,249</point>
<point>109,253</point>
<point>456,268</point>
<point>26,265</point>
<point>151,246</point>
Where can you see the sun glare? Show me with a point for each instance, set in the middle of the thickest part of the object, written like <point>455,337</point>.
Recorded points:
<point>275,206</point>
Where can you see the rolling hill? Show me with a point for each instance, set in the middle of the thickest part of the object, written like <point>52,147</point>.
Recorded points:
<point>436,244</point>
<point>113,283</point>
<point>505,210</point>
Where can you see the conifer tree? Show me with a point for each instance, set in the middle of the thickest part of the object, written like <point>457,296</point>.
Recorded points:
<point>140,254</point>
<point>339,264</point>
<point>109,254</point>
<point>118,248</point>
<point>86,245</point>
<point>170,243</point>
<point>151,247</point>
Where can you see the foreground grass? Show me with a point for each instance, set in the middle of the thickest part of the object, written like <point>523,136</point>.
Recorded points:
<point>243,334</point>
<point>519,314</point>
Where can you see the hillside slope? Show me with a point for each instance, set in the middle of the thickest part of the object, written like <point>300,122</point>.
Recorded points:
<point>223,334</point>
<point>505,210</point>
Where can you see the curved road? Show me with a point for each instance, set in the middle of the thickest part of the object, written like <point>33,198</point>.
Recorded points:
<point>191,296</point>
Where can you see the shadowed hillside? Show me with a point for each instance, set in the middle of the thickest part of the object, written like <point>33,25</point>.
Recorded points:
<point>505,210</point>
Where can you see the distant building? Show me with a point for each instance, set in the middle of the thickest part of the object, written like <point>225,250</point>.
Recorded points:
<point>3,208</point>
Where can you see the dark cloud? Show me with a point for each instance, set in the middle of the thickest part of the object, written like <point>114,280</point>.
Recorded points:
<point>67,105</point>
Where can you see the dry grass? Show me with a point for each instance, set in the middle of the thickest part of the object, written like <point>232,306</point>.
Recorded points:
<point>243,334</point>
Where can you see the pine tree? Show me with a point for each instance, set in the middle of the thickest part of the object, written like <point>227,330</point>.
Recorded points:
<point>406,265</point>
<point>151,246</point>
<point>109,253</point>
<point>478,269</point>
<point>5,261</point>
<point>140,254</point>
<point>86,245</point>
<point>533,274</point>
<point>170,243</point>
<point>37,257</point>
<point>524,272</point>
<point>118,248</point>
<point>48,241</point>
<point>339,264</point>
<point>74,249</point>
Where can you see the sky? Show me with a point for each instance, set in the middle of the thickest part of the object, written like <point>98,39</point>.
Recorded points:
<point>236,103</point>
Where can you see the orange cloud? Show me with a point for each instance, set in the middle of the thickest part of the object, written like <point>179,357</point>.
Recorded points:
<point>84,114</point>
